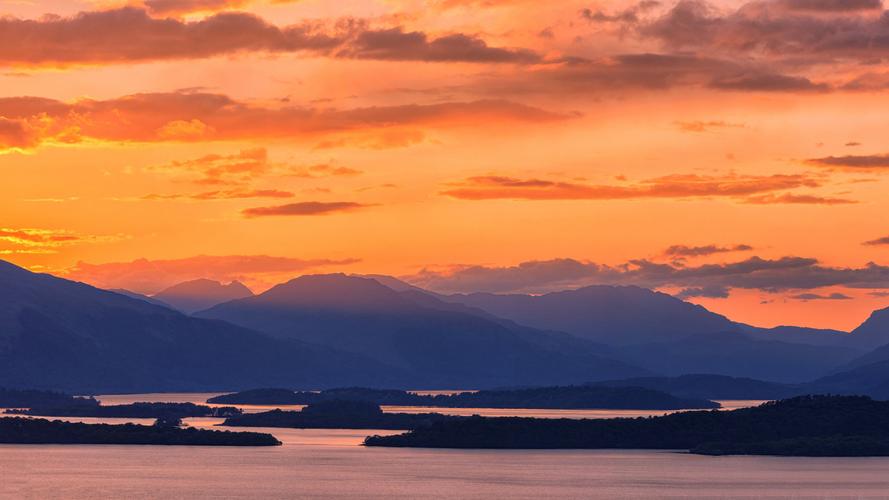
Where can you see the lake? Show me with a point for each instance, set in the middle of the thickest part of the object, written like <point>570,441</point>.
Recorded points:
<point>332,464</point>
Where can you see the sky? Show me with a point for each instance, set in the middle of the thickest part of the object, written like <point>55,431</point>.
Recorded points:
<point>731,153</point>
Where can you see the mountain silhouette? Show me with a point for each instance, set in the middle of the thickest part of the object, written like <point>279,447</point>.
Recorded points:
<point>139,296</point>
<point>616,315</point>
<point>874,332</point>
<point>65,335</point>
<point>450,345</point>
<point>669,336</point>
<point>200,294</point>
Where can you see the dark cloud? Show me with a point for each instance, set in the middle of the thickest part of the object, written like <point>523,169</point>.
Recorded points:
<point>306,208</point>
<point>878,241</point>
<point>650,71</point>
<point>767,82</point>
<point>701,251</point>
<point>853,162</point>
<point>815,296</point>
<point>396,44</point>
<point>711,292</point>
<point>819,29</point>
<point>130,34</point>
<point>832,5</point>
<point>755,273</point>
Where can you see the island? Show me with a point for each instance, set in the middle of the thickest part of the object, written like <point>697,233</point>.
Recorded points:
<point>338,415</point>
<point>567,397</point>
<point>26,398</point>
<point>22,430</point>
<point>135,410</point>
<point>800,426</point>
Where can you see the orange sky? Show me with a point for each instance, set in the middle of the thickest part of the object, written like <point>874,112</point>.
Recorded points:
<point>499,145</point>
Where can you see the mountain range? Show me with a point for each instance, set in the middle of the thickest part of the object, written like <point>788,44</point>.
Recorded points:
<point>331,330</point>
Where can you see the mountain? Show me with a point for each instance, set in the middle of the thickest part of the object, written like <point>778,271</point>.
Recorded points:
<point>874,332</point>
<point>616,315</point>
<point>716,387</point>
<point>870,379</point>
<point>197,295</point>
<point>139,296</point>
<point>669,336</point>
<point>63,335</point>
<point>739,355</point>
<point>447,345</point>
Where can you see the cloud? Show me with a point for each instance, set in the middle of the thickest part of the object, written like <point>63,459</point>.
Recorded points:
<point>796,199</point>
<point>701,251</point>
<point>130,34</point>
<point>153,117</point>
<point>37,240</point>
<point>233,169</point>
<point>629,15</point>
<point>241,169</point>
<point>776,30</point>
<point>672,186</point>
<point>306,208</point>
<point>322,170</point>
<point>767,82</point>
<point>832,5</point>
<point>705,126</point>
<point>815,296</point>
<point>151,276</point>
<point>230,194</point>
<point>755,273</point>
<point>853,162</point>
<point>711,292</point>
<point>179,7</point>
<point>878,241</point>
<point>396,44</point>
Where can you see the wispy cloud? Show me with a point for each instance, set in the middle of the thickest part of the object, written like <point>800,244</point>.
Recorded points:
<point>306,208</point>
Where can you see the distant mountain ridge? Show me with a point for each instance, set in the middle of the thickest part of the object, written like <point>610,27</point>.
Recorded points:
<point>197,295</point>
<point>451,344</point>
<point>63,335</point>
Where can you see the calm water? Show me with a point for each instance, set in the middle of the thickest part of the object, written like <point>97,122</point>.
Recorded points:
<point>201,398</point>
<point>332,464</point>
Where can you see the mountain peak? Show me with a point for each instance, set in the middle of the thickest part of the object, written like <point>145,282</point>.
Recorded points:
<point>196,295</point>
<point>335,291</point>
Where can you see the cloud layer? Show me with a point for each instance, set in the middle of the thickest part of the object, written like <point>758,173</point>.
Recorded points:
<point>196,116</point>
<point>755,273</point>
<point>151,276</point>
<point>746,188</point>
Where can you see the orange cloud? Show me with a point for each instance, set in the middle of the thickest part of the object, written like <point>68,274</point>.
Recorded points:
<point>152,117</point>
<point>36,240</point>
<point>705,126</point>
<point>231,194</point>
<point>179,7</point>
<point>671,186</point>
<point>306,208</point>
<point>150,276</point>
<point>796,199</point>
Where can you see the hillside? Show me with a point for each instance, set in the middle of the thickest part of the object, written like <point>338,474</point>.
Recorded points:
<point>449,347</point>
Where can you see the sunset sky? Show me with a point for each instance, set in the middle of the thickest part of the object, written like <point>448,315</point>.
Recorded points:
<point>732,153</point>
